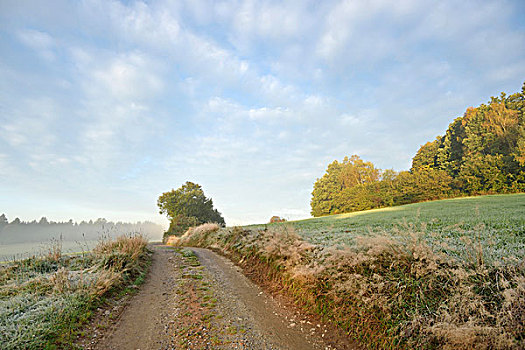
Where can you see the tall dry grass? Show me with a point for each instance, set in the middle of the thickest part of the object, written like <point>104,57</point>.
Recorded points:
<point>389,290</point>
<point>195,235</point>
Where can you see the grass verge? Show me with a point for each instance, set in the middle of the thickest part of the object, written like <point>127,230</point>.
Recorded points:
<point>403,290</point>
<point>45,301</point>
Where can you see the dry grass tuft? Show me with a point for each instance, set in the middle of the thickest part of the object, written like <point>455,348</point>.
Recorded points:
<point>122,254</point>
<point>172,240</point>
<point>198,235</point>
<point>283,245</point>
<point>60,281</point>
<point>133,246</point>
<point>55,251</point>
<point>107,280</point>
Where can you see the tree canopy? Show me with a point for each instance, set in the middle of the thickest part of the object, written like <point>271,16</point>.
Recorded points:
<point>481,152</point>
<point>188,206</point>
<point>18,231</point>
<point>339,177</point>
<point>484,150</point>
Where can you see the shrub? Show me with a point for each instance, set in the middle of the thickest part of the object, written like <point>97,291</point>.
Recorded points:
<point>274,219</point>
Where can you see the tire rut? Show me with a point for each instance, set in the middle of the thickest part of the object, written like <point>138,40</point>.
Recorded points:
<point>196,299</point>
<point>243,299</point>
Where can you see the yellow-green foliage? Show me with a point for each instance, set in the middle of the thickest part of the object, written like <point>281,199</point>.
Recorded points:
<point>482,152</point>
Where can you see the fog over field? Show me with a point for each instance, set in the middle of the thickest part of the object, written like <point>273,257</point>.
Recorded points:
<point>23,238</point>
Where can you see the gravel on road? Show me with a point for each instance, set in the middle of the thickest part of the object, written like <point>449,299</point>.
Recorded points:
<point>196,299</point>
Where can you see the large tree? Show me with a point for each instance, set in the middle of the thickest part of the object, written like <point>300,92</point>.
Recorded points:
<point>425,157</point>
<point>188,206</point>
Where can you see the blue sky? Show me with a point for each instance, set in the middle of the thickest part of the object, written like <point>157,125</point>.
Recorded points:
<point>104,104</point>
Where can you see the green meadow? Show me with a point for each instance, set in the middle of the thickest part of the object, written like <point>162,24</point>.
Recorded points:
<point>496,222</point>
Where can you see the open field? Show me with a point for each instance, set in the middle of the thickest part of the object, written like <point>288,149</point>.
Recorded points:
<point>447,274</point>
<point>497,222</point>
<point>45,300</point>
<point>20,251</point>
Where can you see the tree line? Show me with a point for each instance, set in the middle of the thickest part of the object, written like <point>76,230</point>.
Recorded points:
<point>18,231</point>
<point>482,152</point>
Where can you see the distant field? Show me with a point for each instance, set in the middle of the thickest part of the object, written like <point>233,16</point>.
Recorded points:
<point>497,222</point>
<point>19,251</point>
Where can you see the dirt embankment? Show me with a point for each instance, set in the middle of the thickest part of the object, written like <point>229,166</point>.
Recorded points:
<point>195,299</point>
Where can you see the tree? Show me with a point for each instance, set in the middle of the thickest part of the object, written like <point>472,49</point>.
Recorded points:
<point>327,197</point>
<point>421,185</point>
<point>3,221</point>
<point>16,221</point>
<point>188,206</point>
<point>426,155</point>
<point>483,174</point>
<point>482,152</point>
<point>325,190</point>
<point>101,221</point>
<point>43,221</point>
<point>180,223</point>
<point>276,218</point>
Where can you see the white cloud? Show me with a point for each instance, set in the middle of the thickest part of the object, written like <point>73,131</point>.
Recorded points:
<point>127,77</point>
<point>275,91</point>
<point>29,126</point>
<point>343,30</point>
<point>153,27</point>
<point>348,119</point>
<point>265,113</point>
<point>117,90</point>
<point>39,41</point>
<point>272,21</point>
<point>146,24</point>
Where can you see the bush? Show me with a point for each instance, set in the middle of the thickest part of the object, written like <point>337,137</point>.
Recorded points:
<point>274,219</point>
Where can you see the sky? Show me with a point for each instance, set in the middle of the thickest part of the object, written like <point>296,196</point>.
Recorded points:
<point>104,105</point>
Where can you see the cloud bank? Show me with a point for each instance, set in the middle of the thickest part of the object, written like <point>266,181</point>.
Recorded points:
<point>106,104</point>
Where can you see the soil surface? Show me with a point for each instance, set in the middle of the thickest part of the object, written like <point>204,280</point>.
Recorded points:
<point>196,299</point>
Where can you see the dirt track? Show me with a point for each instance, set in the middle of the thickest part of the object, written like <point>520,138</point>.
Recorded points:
<point>149,317</point>
<point>195,299</point>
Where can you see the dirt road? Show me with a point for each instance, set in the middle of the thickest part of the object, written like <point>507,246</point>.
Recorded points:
<point>147,321</point>
<point>195,299</point>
